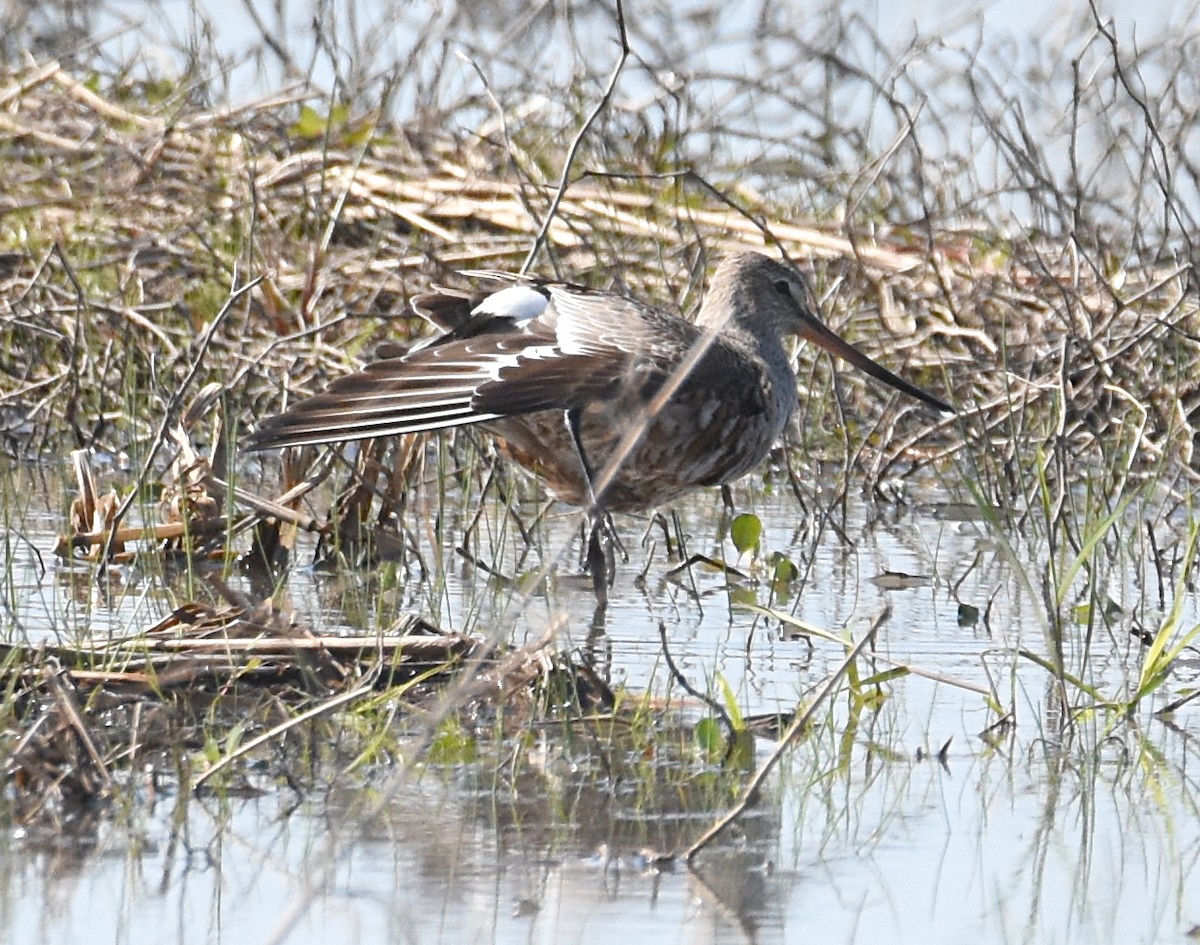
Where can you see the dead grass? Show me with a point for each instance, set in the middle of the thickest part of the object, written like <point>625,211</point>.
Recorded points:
<point>83,718</point>
<point>109,277</point>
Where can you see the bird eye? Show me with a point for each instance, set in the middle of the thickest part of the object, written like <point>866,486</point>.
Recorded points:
<point>783,287</point>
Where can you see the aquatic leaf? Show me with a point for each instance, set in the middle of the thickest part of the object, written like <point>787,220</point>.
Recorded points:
<point>1166,647</point>
<point>233,738</point>
<point>746,531</point>
<point>709,738</point>
<point>452,745</point>
<point>868,697</point>
<point>734,711</point>
<point>742,596</point>
<point>785,570</point>
<point>741,754</point>
<point>878,679</point>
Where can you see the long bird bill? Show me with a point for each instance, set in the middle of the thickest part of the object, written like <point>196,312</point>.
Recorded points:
<point>816,332</point>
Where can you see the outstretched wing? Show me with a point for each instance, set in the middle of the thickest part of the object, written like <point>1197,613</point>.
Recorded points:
<point>528,347</point>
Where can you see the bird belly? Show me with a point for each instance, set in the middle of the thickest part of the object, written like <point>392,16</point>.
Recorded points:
<point>681,449</point>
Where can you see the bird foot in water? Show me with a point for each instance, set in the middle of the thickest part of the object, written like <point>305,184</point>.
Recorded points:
<point>603,545</point>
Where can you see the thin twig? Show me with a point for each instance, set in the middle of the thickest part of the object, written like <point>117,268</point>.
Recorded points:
<point>799,724</point>
<point>691,690</point>
<point>564,179</point>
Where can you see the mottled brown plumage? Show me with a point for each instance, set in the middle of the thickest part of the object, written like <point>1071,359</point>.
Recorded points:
<point>561,374</point>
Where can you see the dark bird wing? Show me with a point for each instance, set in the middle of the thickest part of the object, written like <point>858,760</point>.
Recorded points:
<point>529,347</point>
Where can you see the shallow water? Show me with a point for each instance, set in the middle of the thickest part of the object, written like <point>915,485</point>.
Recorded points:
<point>861,837</point>
<point>917,853</point>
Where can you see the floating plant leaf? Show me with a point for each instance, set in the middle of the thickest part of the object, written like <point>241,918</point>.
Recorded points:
<point>746,531</point>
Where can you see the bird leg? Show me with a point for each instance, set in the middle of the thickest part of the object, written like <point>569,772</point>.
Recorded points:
<point>574,420</point>
<point>599,558</point>
<point>600,561</point>
<point>659,521</point>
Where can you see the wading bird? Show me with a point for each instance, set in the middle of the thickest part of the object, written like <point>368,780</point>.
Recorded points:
<point>617,405</point>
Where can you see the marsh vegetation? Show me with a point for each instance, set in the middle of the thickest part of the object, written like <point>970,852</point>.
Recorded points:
<point>937,672</point>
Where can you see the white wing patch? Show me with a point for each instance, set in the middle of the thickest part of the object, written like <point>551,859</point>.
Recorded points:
<point>520,303</point>
<point>582,322</point>
<point>601,324</point>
